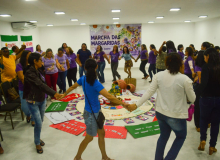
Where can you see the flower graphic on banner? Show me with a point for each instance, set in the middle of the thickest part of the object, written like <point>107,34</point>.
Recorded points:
<point>107,28</point>
<point>118,26</point>
<point>95,28</point>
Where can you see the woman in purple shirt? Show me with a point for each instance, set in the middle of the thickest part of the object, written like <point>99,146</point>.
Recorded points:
<point>189,63</point>
<point>38,50</point>
<point>144,59</point>
<point>72,71</point>
<point>114,55</point>
<point>64,46</point>
<point>152,61</point>
<point>62,65</point>
<point>99,56</point>
<point>170,47</point>
<point>51,71</point>
<point>19,70</point>
<point>180,51</point>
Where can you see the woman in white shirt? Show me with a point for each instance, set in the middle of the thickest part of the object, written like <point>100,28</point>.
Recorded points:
<point>173,90</point>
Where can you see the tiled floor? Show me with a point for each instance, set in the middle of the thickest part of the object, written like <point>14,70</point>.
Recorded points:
<point>19,143</point>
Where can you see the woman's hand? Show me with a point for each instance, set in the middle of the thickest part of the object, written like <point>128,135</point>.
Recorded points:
<point>193,74</point>
<point>196,79</point>
<point>58,96</point>
<point>132,107</point>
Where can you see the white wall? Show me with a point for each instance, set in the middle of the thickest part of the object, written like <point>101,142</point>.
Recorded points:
<point>6,29</point>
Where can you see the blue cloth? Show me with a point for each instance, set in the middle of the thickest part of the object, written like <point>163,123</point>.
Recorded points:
<point>168,124</point>
<point>151,68</point>
<point>100,71</point>
<point>92,93</point>
<point>37,110</point>
<point>209,113</point>
<point>84,55</point>
<point>24,106</point>
<point>61,80</point>
<point>81,70</point>
<point>127,57</point>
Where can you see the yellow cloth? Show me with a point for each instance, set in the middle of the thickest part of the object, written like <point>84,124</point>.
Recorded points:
<point>8,73</point>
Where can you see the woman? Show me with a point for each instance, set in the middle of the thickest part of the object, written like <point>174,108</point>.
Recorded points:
<point>170,47</point>
<point>189,63</point>
<point>51,71</point>
<point>62,65</point>
<point>198,70</point>
<point>114,56</point>
<point>128,62</point>
<point>180,51</point>
<point>144,59</point>
<point>152,61</point>
<point>82,55</point>
<point>19,70</point>
<point>210,99</point>
<point>38,50</point>
<point>195,52</point>
<point>162,54</point>
<point>92,89</point>
<point>99,56</point>
<point>34,92</point>
<point>64,47</point>
<point>72,71</point>
<point>173,89</point>
<point>206,45</point>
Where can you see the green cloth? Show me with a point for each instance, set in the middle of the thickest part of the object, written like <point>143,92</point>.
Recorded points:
<point>57,106</point>
<point>26,38</point>
<point>144,130</point>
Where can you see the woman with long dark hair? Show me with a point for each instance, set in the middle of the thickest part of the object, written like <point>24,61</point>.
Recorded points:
<point>114,56</point>
<point>19,70</point>
<point>206,45</point>
<point>152,61</point>
<point>100,57</point>
<point>144,59</point>
<point>189,63</point>
<point>209,103</point>
<point>35,90</point>
<point>180,51</point>
<point>195,52</point>
<point>170,47</point>
<point>38,50</point>
<point>64,46</point>
<point>128,62</point>
<point>92,89</point>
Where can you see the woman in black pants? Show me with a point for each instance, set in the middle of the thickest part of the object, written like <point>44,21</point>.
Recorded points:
<point>144,60</point>
<point>114,55</point>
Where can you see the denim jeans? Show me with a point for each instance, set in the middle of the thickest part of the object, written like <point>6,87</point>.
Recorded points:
<point>61,80</point>
<point>24,106</point>
<point>142,67</point>
<point>37,111</point>
<point>151,68</point>
<point>168,124</point>
<point>100,71</point>
<point>81,70</point>
<point>209,112</point>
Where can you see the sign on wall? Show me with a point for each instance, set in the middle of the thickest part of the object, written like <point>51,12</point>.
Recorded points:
<point>9,41</point>
<point>27,40</point>
<point>120,34</point>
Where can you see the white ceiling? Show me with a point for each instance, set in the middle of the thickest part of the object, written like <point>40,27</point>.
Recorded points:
<point>99,11</point>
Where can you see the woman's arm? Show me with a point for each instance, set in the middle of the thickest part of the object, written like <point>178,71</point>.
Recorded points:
<point>68,64</point>
<point>74,86</point>
<point>43,54</point>
<point>191,96</point>
<point>191,68</point>
<point>21,76</point>
<point>119,58</point>
<point>199,76</point>
<point>106,57</point>
<point>155,52</point>
<point>161,47</point>
<point>110,58</point>
<point>20,52</point>
<point>133,57</point>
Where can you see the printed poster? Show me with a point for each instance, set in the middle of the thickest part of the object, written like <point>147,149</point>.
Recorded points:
<point>28,41</point>
<point>9,41</point>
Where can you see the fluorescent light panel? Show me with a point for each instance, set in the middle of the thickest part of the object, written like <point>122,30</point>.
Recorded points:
<point>160,17</point>
<point>74,19</point>
<point>115,18</point>
<point>116,10</point>
<point>187,21</point>
<point>174,9</point>
<point>5,15</point>
<point>59,12</point>
<point>49,25</point>
<point>33,21</point>
<point>150,21</point>
<point>203,16</point>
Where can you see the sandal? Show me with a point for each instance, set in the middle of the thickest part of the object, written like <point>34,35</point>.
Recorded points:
<point>42,143</point>
<point>202,146</point>
<point>40,151</point>
<point>33,123</point>
<point>28,119</point>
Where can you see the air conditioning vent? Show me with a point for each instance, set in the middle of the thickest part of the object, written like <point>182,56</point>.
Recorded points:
<point>23,25</point>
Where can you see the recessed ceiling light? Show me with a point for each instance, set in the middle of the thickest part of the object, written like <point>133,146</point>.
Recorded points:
<point>74,19</point>
<point>49,25</point>
<point>5,15</point>
<point>115,18</point>
<point>160,17</point>
<point>187,21</point>
<point>82,23</point>
<point>174,9</point>
<point>150,21</point>
<point>116,10</point>
<point>203,16</point>
<point>59,12</point>
<point>33,21</point>
<point>116,23</point>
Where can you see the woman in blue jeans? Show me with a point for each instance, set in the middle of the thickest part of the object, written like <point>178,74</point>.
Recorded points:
<point>19,70</point>
<point>152,61</point>
<point>209,103</point>
<point>173,89</point>
<point>100,57</point>
<point>92,89</point>
<point>35,90</point>
<point>62,65</point>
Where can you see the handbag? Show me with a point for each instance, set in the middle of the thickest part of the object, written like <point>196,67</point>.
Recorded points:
<point>13,95</point>
<point>101,118</point>
<point>190,112</point>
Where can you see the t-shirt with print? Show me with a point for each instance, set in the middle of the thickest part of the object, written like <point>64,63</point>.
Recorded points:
<point>127,57</point>
<point>99,57</point>
<point>62,61</point>
<point>50,65</point>
<point>114,57</point>
<point>8,73</point>
<point>20,84</point>
<point>92,92</point>
<point>72,60</point>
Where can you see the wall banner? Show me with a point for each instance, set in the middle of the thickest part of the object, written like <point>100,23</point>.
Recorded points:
<point>9,41</point>
<point>27,40</point>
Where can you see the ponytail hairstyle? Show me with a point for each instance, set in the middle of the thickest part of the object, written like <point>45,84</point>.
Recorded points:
<point>152,46</point>
<point>180,46</point>
<point>170,47</point>
<point>214,63</point>
<point>128,52</point>
<point>200,59</point>
<point>190,52</point>
<point>90,66</point>
<point>144,46</point>
<point>207,45</point>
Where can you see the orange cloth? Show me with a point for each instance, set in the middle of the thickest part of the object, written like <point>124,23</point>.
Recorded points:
<point>8,73</point>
